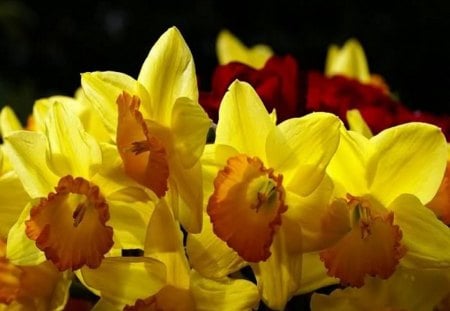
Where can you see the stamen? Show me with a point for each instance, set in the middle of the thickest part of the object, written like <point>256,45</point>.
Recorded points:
<point>139,147</point>
<point>78,214</point>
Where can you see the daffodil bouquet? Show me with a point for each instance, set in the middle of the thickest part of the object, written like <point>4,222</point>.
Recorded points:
<point>156,194</point>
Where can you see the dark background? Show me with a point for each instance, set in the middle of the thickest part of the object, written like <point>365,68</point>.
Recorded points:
<point>45,45</point>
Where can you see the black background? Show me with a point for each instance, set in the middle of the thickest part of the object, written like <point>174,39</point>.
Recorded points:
<point>45,45</point>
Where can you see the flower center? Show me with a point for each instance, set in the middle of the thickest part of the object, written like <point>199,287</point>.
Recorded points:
<point>143,154</point>
<point>371,247</point>
<point>246,206</point>
<point>69,225</point>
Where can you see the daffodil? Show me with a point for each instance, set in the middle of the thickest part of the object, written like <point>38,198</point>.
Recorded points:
<point>378,219</point>
<point>157,124</point>
<point>440,204</point>
<point>252,171</point>
<point>40,287</point>
<point>406,289</point>
<point>230,49</point>
<point>163,279</point>
<point>78,195</point>
<point>350,61</point>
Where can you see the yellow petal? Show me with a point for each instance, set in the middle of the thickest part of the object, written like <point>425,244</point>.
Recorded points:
<point>168,73</point>
<point>12,201</point>
<point>72,150</point>
<point>20,249</point>
<point>349,61</point>
<point>230,49</point>
<point>244,122</point>
<point>304,150</point>
<point>129,222</point>
<point>277,285</point>
<point>102,90</point>
<point>123,280</point>
<point>190,125</point>
<point>314,274</point>
<point>426,238</point>
<point>211,256</point>
<point>409,158</point>
<point>322,223</point>
<point>8,121</point>
<point>357,123</point>
<point>405,290</point>
<point>27,152</point>
<point>165,243</point>
<point>186,195</point>
<point>348,165</point>
<point>223,294</point>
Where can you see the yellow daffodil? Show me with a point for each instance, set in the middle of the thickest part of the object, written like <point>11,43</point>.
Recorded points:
<point>406,289</point>
<point>230,49</point>
<point>252,171</point>
<point>162,279</point>
<point>158,126</point>
<point>78,193</point>
<point>440,204</point>
<point>41,287</point>
<point>378,218</point>
<point>350,61</point>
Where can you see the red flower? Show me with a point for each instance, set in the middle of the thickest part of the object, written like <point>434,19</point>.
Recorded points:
<point>277,83</point>
<point>337,94</point>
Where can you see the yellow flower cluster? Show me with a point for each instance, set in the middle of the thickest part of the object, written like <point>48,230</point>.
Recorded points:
<point>119,189</point>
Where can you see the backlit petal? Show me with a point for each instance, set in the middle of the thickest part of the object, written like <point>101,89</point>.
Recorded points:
<point>20,249</point>
<point>134,278</point>
<point>168,73</point>
<point>412,157</point>
<point>426,237</point>
<point>277,285</point>
<point>211,256</point>
<point>223,294</point>
<point>304,150</point>
<point>12,201</point>
<point>404,290</point>
<point>190,125</point>
<point>314,274</point>
<point>350,61</point>
<point>27,152</point>
<point>72,150</point>
<point>186,195</point>
<point>230,49</point>
<point>102,90</point>
<point>357,123</point>
<point>348,165</point>
<point>8,121</point>
<point>242,111</point>
<point>165,243</point>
